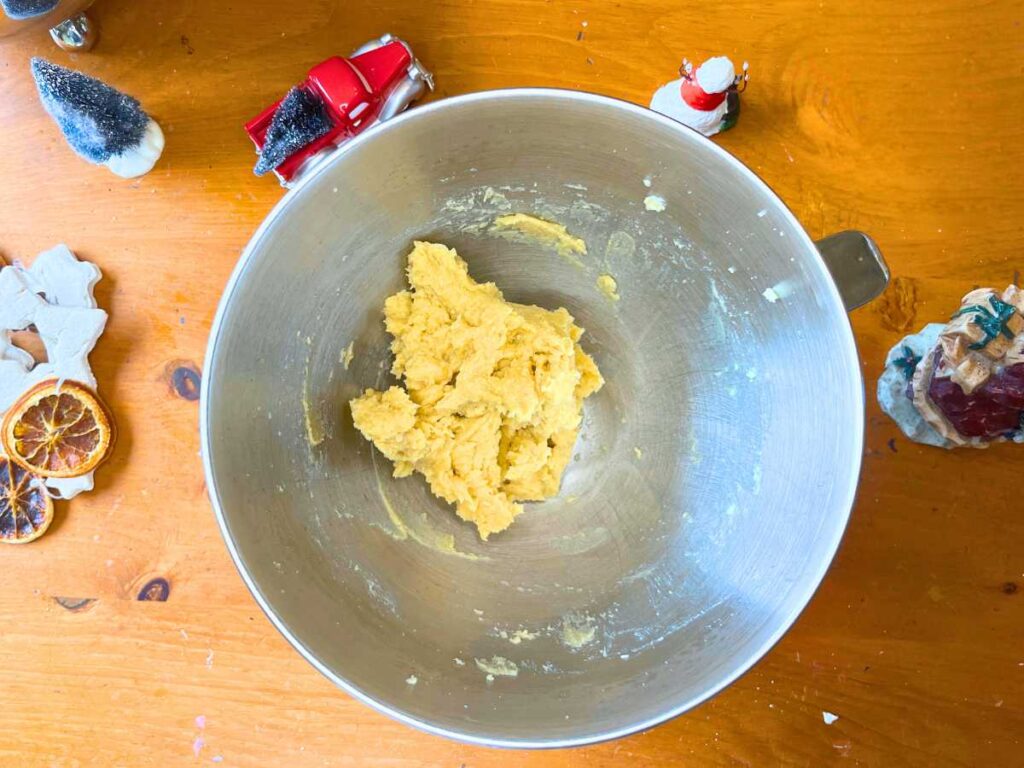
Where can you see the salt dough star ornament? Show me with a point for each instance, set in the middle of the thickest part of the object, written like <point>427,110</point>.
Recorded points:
<point>54,295</point>
<point>102,125</point>
<point>707,99</point>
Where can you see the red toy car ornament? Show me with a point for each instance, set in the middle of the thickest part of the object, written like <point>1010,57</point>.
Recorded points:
<point>378,81</point>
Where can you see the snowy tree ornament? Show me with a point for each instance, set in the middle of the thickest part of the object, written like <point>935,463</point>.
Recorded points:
<point>20,10</point>
<point>706,99</point>
<point>300,119</point>
<point>103,125</point>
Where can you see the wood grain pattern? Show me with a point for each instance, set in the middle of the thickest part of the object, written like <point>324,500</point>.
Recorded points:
<point>899,119</point>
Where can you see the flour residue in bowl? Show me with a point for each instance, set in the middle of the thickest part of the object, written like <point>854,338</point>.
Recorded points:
<point>621,246</point>
<point>420,531</point>
<point>316,433</point>
<point>609,286</point>
<point>517,636</point>
<point>551,234</point>
<point>347,355</point>
<point>578,631</point>
<point>654,203</point>
<point>497,666</point>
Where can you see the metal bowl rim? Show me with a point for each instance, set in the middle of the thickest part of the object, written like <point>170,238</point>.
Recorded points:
<point>395,123</point>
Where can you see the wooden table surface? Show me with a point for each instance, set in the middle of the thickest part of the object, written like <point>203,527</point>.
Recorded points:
<point>903,120</point>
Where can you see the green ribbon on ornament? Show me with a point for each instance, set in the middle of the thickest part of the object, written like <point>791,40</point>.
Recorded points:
<point>992,322</point>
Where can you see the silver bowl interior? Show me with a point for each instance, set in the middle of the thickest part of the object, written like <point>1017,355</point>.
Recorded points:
<point>714,473</point>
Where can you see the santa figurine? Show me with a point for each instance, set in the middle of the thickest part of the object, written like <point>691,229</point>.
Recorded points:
<point>706,99</point>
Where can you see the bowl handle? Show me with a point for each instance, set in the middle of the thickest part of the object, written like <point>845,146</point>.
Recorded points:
<point>857,266</point>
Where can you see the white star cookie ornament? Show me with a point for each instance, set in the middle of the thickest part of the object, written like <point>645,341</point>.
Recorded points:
<point>55,297</point>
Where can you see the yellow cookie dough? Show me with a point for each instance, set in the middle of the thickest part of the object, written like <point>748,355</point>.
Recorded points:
<point>608,285</point>
<point>493,393</point>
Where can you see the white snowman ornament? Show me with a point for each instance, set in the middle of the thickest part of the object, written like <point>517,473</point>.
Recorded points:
<point>705,99</point>
<point>55,297</point>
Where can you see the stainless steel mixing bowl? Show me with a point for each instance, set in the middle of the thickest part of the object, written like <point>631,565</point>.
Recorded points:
<point>714,473</point>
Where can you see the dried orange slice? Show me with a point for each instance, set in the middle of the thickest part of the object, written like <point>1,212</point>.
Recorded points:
<point>58,429</point>
<point>26,509</point>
